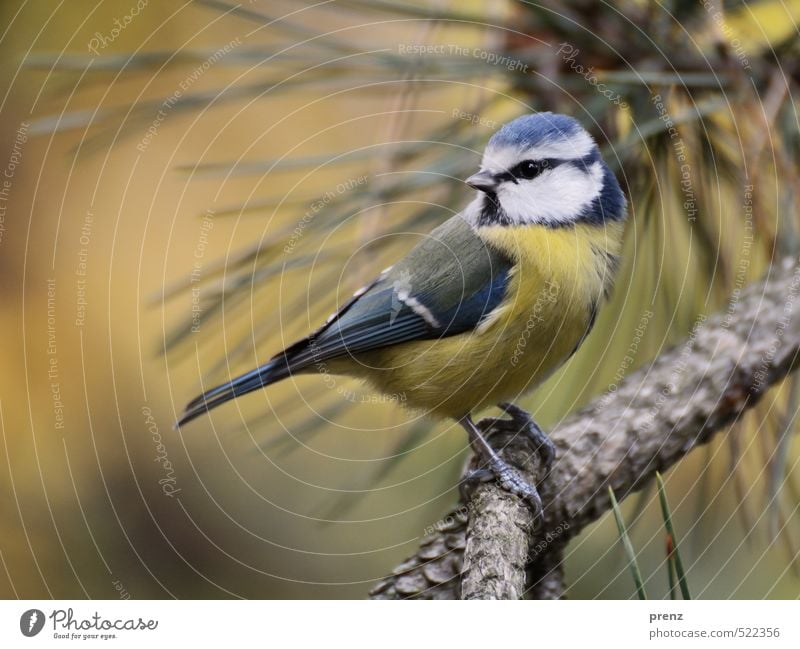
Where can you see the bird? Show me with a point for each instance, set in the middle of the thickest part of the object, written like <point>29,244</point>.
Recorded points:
<point>488,304</point>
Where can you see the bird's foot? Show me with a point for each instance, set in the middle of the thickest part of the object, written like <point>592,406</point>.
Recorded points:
<point>471,479</point>
<point>494,467</point>
<point>508,478</point>
<point>520,421</point>
<point>511,481</point>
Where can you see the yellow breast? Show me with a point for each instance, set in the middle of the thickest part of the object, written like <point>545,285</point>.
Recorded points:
<point>559,279</point>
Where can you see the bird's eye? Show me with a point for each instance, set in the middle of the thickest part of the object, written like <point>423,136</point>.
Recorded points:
<point>529,169</point>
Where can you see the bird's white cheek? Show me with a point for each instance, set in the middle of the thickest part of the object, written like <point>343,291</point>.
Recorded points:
<point>557,196</point>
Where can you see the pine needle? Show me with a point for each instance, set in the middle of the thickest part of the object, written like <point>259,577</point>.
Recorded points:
<point>626,543</point>
<point>672,541</point>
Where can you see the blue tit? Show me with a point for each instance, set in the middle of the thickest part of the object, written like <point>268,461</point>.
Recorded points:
<point>490,303</point>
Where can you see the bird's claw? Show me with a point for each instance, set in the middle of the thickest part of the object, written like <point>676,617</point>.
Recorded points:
<point>520,421</point>
<point>508,479</point>
<point>495,467</point>
<point>472,479</point>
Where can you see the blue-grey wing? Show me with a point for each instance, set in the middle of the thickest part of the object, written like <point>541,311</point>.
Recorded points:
<point>445,286</point>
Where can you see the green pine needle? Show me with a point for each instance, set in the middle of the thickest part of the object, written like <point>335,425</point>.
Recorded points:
<point>671,569</point>
<point>626,543</point>
<point>674,555</point>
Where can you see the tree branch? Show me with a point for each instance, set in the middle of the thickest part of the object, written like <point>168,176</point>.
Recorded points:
<point>658,414</point>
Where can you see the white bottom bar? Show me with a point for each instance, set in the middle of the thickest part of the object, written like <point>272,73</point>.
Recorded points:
<point>148,623</point>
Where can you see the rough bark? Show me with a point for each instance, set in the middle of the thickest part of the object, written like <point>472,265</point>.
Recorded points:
<point>546,575</point>
<point>496,551</point>
<point>658,415</point>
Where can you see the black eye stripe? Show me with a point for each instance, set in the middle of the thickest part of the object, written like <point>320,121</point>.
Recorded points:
<point>515,174</point>
<point>528,169</point>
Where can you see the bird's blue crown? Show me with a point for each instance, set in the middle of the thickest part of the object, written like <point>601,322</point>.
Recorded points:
<point>534,129</point>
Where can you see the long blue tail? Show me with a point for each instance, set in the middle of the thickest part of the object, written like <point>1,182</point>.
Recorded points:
<point>269,373</point>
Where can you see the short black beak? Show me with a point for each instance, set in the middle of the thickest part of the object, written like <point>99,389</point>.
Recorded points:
<point>483,181</point>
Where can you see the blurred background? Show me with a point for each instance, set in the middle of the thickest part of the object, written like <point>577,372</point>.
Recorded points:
<point>188,186</point>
